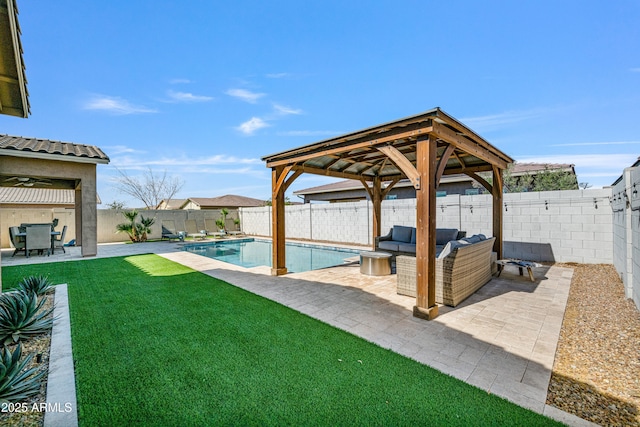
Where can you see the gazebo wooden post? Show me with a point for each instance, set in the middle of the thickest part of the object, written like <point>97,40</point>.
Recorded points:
<point>278,175</point>
<point>496,191</point>
<point>426,307</point>
<point>376,199</point>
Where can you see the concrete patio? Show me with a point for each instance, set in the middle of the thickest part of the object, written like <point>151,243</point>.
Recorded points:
<point>502,339</point>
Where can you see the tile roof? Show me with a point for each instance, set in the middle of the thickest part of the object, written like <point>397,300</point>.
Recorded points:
<point>518,169</point>
<point>228,200</point>
<point>45,146</point>
<point>38,196</point>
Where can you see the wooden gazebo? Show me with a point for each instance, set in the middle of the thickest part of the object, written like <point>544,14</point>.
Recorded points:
<point>420,148</point>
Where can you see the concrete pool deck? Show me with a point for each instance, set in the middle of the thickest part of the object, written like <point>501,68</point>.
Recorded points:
<point>501,339</point>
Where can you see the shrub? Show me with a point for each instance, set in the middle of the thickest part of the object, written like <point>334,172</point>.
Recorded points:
<point>39,284</point>
<point>16,382</point>
<point>21,316</point>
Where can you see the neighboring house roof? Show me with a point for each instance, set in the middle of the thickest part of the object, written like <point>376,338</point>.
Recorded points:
<point>517,169</point>
<point>14,97</point>
<point>634,165</point>
<point>53,150</point>
<point>230,200</point>
<point>38,196</point>
<point>173,204</point>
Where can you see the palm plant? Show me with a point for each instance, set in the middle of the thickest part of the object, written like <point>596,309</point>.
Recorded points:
<point>21,316</point>
<point>224,212</point>
<point>16,382</point>
<point>137,231</point>
<point>39,284</point>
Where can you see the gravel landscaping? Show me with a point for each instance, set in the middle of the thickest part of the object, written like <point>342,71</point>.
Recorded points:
<point>596,373</point>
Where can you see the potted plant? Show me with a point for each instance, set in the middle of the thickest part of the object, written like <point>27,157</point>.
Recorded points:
<point>236,221</point>
<point>220,224</point>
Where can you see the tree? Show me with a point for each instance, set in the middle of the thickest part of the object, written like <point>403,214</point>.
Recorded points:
<point>546,180</point>
<point>287,202</point>
<point>116,205</point>
<point>151,188</point>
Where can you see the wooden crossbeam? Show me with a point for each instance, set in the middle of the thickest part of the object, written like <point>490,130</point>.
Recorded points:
<point>402,163</point>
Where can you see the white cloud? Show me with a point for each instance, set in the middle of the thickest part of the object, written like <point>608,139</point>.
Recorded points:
<point>245,95</point>
<point>114,150</point>
<point>635,70</point>
<point>252,125</point>
<point>309,133</point>
<point>179,81</point>
<point>188,97</point>
<point>585,144</point>
<point>215,160</point>
<point>115,105</point>
<point>595,161</point>
<point>283,110</point>
<point>278,75</point>
<point>498,120</point>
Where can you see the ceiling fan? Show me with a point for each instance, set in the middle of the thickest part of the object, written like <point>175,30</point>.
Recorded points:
<point>26,181</point>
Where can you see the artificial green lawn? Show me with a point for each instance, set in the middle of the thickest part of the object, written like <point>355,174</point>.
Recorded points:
<point>156,343</point>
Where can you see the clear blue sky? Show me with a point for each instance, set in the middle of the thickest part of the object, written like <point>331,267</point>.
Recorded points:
<point>203,89</point>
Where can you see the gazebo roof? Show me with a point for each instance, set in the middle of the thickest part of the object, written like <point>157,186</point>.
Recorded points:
<point>357,155</point>
<point>14,97</point>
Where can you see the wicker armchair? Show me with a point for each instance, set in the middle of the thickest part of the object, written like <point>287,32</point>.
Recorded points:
<point>458,275</point>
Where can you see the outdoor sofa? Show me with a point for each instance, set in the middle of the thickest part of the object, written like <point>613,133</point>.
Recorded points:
<point>401,240</point>
<point>462,267</point>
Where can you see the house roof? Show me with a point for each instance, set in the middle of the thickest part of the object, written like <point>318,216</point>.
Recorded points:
<point>14,97</point>
<point>19,146</point>
<point>38,196</point>
<point>229,200</point>
<point>517,169</point>
<point>173,203</point>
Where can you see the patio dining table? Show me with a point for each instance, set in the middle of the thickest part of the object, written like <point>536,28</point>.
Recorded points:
<point>53,238</point>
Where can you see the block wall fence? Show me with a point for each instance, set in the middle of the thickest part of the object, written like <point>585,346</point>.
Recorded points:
<point>562,226</point>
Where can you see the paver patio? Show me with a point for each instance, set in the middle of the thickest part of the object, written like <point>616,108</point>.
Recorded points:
<point>502,339</point>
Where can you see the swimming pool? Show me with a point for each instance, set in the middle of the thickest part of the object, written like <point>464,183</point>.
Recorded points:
<point>252,253</point>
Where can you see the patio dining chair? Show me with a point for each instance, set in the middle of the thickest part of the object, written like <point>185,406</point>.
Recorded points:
<point>38,238</point>
<point>18,242</point>
<point>59,243</point>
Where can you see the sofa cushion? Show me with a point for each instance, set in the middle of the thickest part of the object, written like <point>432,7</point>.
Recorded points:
<point>473,239</point>
<point>413,235</point>
<point>401,233</point>
<point>389,245</point>
<point>407,247</point>
<point>451,246</point>
<point>444,235</point>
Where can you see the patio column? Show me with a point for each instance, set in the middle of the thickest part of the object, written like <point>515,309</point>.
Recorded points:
<point>278,175</point>
<point>496,191</point>
<point>86,214</point>
<point>426,307</point>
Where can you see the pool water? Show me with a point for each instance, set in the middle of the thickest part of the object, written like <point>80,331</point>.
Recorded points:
<point>252,253</point>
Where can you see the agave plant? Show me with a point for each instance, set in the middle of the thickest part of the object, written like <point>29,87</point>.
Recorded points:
<point>21,316</point>
<point>16,382</point>
<point>39,284</point>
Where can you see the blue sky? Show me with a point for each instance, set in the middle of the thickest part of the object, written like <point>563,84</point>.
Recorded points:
<point>203,89</point>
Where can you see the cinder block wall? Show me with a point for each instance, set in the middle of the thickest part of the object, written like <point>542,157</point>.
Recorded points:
<point>564,226</point>
<point>626,232</point>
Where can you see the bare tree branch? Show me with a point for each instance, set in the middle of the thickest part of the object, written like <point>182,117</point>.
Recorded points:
<point>150,189</point>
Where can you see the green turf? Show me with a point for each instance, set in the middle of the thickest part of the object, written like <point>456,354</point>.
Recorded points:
<point>156,343</point>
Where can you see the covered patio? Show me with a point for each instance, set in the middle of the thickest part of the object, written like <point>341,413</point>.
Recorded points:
<point>421,148</point>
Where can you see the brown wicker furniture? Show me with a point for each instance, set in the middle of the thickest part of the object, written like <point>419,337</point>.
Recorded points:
<point>465,270</point>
